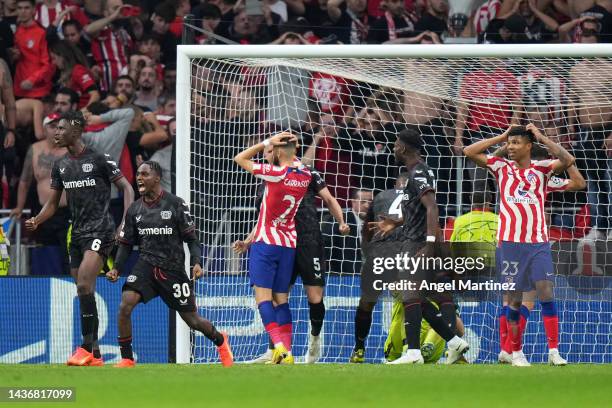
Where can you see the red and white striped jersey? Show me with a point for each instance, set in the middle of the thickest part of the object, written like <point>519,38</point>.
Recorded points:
<point>110,49</point>
<point>46,15</point>
<point>556,184</point>
<point>284,191</point>
<point>522,193</point>
<point>484,14</point>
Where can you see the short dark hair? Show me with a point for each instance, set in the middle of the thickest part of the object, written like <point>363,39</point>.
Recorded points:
<point>32,2</point>
<point>98,108</point>
<point>74,97</point>
<point>481,198</point>
<point>74,23</point>
<point>75,118</point>
<point>411,137</point>
<point>155,166</point>
<point>355,191</point>
<point>166,10</point>
<point>522,131</point>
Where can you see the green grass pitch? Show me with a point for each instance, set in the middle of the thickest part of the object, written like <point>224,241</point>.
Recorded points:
<point>320,385</point>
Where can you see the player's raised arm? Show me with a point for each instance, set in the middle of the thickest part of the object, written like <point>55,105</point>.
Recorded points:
<point>576,181</point>
<point>243,159</point>
<point>476,151</point>
<point>564,158</point>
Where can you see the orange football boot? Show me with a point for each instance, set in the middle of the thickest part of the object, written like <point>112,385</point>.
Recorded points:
<point>81,357</point>
<point>225,352</point>
<point>125,363</point>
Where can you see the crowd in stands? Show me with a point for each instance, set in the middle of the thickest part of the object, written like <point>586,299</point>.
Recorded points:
<point>116,61</point>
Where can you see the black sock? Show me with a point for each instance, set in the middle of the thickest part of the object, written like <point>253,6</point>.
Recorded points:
<point>449,316</point>
<point>317,314</point>
<point>125,345</point>
<point>434,318</point>
<point>214,336</point>
<point>89,320</point>
<point>96,349</point>
<point>412,324</point>
<point>270,343</point>
<point>363,321</point>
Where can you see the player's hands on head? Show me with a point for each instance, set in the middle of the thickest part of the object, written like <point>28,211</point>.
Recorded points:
<point>535,131</point>
<point>282,139</point>
<point>112,275</point>
<point>197,271</point>
<point>344,229</point>
<point>31,224</point>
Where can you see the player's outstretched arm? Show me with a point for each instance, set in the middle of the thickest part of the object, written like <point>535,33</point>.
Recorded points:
<point>335,210</point>
<point>128,196</point>
<point>240,247</point>
<point>576,181</point>
<point>47,211</point>
<point>243,159</point>
<point>564,158</point>
<point>476,151</point>
<point>123,254</point>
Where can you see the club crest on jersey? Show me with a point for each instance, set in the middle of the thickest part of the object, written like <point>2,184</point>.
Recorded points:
<point>87,167</point>
<point>531,178</point>
<point>165,215</point>
<point>62,170</point>
<point>132,278</point>
<point>30,44</point>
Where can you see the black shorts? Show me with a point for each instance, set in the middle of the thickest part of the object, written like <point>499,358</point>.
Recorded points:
<point>103,246</point>
<point>375,271</point>
<point>310,264</point>
<point>174,287</point>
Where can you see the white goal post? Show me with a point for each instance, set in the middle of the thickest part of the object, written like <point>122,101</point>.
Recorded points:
<point>374,76</point>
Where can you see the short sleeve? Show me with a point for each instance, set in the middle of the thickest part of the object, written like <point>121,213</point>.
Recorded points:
<point>557,184</point>
<point>56,178</point>
<point>317,183</point>
<point>127,235</point>
<point>185,220</point>
<point>268,172</point>
<point>544,166</point>
<point>112,170</point>
<point>494,163</point>
<point>82,79</point>
<point>420,182</point>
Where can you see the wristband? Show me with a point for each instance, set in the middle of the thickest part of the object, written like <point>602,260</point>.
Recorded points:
<point>266,142</point>
<point>430,238</point>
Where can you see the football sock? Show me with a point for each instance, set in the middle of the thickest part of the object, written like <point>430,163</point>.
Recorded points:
<point>413,314</point>
<point>268,318</point>
<point>125,345</point>
<point>514,334</point>
<point>89,320</point>
<point>551,323</point>
<point>363,321</point>
<point>434,318</point>
<point>283,318</point>
<point>503,331</point>
<point>317,314</point>
<point>449,315</point>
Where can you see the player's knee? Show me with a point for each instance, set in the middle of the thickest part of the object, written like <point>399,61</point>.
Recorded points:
<point>366,306</point>
<point>125,309</point>
<point>191,319</point>
<point>84,289</point>
<point>314,294</point>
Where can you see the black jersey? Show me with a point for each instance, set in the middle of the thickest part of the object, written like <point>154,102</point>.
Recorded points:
<point>87,180</point>
<point>307,219</point>
<point>420,181</point>
<point>387,203</point>
<point>159,229</point>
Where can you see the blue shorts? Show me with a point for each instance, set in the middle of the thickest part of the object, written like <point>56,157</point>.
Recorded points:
<point>524,264</point>
<point>271,266</point>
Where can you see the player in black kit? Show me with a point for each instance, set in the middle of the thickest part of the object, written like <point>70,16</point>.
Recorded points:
<point>420,231</point>
<point>159,222</point>
<point>386,204</point>
<point>310,260</point>
<point>86,176</point>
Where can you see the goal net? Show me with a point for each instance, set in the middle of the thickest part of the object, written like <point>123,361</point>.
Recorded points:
<point>347,110</point>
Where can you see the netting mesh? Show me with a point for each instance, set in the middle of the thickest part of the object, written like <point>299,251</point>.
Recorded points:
<point>347,113</point>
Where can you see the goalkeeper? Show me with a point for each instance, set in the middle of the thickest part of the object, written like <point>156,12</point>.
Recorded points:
<point>432,345</point>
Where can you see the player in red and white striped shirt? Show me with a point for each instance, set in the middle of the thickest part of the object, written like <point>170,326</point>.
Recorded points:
<point>523,252</point>
<point>272,254</point>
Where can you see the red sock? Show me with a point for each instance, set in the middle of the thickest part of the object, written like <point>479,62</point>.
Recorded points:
<point>503,334</point>
<point>274,331</point>
<point>285,331</point>
<point>522,326</point>
<point>514,339</point>
<point>551,327</point>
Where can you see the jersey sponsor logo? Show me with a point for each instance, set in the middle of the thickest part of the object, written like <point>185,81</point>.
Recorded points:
<point>87,167</point>
<point>183,301</point>
<point>296,183</point>
<point>521,200</point>
<point>132,278</point>
<point>165,215</point>
<point>79,183</point>
<point>155,231</point>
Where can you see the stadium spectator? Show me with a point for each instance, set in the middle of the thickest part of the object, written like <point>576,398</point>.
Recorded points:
<point>66,100</point>
<point>125,85</point>
<point>435,17</point>
<point>8,120</point>
<point>147,93</point>
<point>72,31</point>
<point>527,24</point>
<point>183,7</point>
<point>210,18</point>
<point>110,44</point>
<point>7,40</point>
<point>352,21</point>
<point>37,167</point>
<point>317,17</point>
<point>170,78</point>
<point>396,22</point>
<point>163,156</point>
<point>228,9</point>
<point>33,69</point>
<point>52,13</point>
<point>74,72</point>
<point>159,25</point>
<point>345,250</point>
